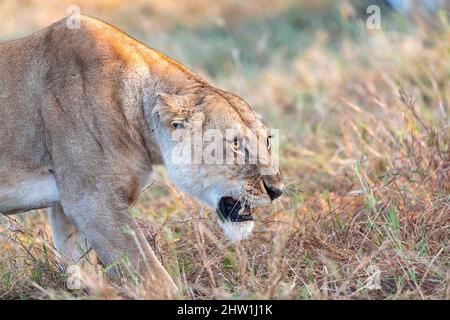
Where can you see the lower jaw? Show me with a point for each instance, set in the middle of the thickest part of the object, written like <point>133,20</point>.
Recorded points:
<point>237,231</point>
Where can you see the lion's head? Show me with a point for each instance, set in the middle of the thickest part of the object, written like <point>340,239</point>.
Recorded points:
<point>218,150</point>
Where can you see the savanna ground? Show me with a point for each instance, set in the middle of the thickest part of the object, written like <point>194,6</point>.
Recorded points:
<point>365,148</point>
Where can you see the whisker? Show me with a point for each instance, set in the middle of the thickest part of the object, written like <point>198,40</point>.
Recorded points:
<point>291,192</point>
<point>229,190</point>
<point>295,182</point>
<point>239,200</point>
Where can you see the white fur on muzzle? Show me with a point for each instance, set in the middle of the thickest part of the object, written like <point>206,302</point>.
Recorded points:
<point>237,231</point>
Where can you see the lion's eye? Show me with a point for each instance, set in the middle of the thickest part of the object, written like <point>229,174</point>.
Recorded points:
<point>178,125</point>
<point>269,142</point>
<point>236,144</point>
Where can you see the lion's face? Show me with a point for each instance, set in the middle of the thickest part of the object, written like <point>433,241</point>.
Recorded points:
<point>217,150</point>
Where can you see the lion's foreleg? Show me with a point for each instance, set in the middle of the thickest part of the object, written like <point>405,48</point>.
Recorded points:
<point>66,238</point>
<point>114,234</point>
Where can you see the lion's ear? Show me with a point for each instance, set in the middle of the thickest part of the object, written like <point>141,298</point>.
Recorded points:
<point>173,110</point>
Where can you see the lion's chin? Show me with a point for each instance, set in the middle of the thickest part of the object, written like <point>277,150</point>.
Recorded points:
<point>237,231</point>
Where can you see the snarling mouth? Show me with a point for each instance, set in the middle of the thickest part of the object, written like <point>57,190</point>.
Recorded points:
<point>234,210</point>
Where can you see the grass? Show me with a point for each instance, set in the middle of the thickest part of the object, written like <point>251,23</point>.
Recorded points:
<point>364,118</point>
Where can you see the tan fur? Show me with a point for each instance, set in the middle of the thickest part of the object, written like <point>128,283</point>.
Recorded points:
<point>89,111</point>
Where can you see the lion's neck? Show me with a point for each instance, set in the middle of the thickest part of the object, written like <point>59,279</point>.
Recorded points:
<point>152,73</point>
<point>157,78</point>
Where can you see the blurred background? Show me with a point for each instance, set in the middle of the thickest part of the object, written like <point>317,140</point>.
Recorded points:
<point>362,104</point>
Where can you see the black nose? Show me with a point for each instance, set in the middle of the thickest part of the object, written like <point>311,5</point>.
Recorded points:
<point>272,191</point>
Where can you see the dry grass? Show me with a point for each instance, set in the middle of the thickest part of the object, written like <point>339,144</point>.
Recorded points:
<point>364,117</point>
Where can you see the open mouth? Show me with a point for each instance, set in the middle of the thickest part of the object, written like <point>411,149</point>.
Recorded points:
<point>234,210</point>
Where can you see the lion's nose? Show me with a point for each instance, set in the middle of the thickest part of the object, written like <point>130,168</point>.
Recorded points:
<point>273,190</point>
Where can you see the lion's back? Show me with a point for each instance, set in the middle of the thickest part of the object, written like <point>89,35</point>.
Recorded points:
<point>54,65</point>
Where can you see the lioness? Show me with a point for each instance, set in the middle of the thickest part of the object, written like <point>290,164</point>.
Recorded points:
<point>85,114</point>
